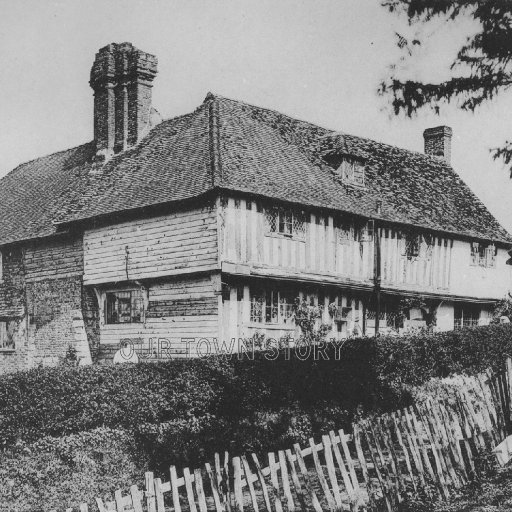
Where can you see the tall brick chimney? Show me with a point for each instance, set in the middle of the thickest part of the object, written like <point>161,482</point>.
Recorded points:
<point>438,142</point>
<point>122,79</point>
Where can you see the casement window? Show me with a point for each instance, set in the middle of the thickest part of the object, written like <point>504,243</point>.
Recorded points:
<point>124,307</point>
<point>7,335</point>
<point>467,315</point>
<point>412,245</point>
<point>418,246</point>
<point>483,255</point>
<point>366,232</point>
<point>286,222</point>
<point>351,171</point>
<point>389,317</point>
<point>272,307</point>
<point>345,233</point>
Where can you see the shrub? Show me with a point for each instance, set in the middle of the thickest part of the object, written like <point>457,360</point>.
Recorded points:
<point>182,411</point>
<point>64,400</point>
<point>57,473</point>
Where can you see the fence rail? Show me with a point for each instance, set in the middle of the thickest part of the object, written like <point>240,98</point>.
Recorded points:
<point>432,447</point>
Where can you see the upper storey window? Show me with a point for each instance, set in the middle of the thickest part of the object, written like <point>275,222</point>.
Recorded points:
<point>483,255</point>
<point>418,246</point>
<point>286,222</point>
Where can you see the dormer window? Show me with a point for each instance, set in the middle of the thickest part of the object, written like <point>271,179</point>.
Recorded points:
<point>351,171</point>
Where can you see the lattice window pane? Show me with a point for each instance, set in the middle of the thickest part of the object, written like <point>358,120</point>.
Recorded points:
<point>299,225</point>
<point>412,245</point>
<point>271,219</point>
<point>426,247</point>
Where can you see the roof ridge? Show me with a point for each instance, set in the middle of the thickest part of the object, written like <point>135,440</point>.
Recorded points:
<point>213,96</point>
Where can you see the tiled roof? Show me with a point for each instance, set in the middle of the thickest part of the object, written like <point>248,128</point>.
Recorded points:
<point>230,145</point>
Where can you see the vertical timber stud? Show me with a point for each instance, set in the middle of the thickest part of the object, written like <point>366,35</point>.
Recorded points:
<point>376,274</point>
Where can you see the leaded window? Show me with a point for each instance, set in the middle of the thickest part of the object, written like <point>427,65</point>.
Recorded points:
<point>272,307</point>
<point>285,222</point>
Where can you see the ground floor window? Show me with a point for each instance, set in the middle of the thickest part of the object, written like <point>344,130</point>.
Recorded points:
<point>7,329</point>
<point>390,316</point>
<point>466,315</point>
<point>124,307</point>
<point>272,306</point>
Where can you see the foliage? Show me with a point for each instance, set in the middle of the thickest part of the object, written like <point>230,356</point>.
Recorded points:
<point>63,400</point>
<point>308,318</point>
<point>71,357</point>
<point>57,472</point>
<point>481,70</point>
<point>502,308</point>
<point>491,492</point>
<point>182,411</point>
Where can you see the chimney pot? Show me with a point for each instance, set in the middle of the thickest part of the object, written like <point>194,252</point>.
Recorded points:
<point>438,142</point>
<point>121,78</point>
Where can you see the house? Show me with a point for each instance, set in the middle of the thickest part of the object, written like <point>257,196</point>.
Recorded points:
<point>208,226</point>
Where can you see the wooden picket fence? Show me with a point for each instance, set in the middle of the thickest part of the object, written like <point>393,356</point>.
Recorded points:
<point>431,447</point>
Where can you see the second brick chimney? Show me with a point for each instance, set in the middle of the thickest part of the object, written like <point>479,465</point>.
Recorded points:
<point>121,78</point>
<point>438,142</point>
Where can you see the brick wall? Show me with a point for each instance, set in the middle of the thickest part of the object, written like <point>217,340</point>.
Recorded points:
<point>50,305</point>
<point>91,316</point>
<point>42,291</point>
<point>12,300</point>
<point>12,308</point>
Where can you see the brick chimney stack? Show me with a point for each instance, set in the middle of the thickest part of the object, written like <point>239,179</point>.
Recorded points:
<point>438,142</point>
<point>122,79</point>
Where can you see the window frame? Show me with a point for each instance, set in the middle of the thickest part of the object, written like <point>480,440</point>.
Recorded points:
<point>272,307</point>
<point>466,320</point>
<point>5,345</point>
<point>352,171</point>
<point>141,310</point>
<point>345,232</point>
<point>483,255</point>
<point>286,223</point>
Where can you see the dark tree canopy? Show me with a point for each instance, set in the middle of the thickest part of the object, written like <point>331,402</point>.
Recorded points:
<point>481,70</point>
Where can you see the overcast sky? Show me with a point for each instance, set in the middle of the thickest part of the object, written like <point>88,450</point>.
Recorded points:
<point>317,60</point>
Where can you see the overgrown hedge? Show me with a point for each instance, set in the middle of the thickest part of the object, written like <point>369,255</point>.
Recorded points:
<point>57,473</point>
<point>184,410</point>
